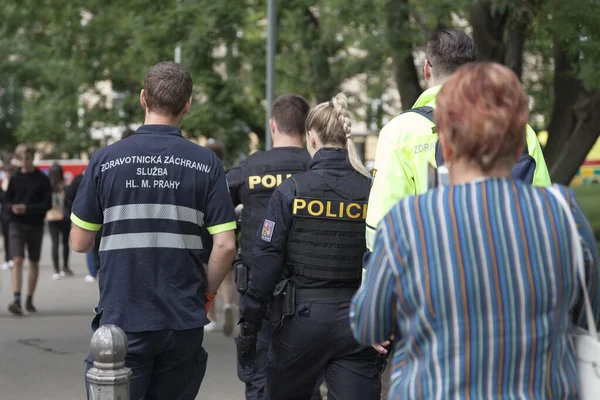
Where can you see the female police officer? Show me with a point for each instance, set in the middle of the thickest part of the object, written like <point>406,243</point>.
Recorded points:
<point>307,261</point>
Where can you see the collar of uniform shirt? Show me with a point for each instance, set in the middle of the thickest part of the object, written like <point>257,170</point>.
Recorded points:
<point>328,157</point>
<point>168,129</point>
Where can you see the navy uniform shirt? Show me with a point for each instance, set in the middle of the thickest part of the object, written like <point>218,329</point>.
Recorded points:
<point>158,198</point>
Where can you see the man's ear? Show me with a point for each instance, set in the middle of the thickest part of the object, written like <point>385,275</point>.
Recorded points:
<point>188,105</point>
<point>272,126</point>
<point>447,149</point>
<point>427,70</point>
<point>143,99</point>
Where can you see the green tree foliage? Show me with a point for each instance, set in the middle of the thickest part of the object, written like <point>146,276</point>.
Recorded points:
<point>53,53</point>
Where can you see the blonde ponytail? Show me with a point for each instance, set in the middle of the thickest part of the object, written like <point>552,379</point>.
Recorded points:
<point>331,121</point>
<point>354,158</point>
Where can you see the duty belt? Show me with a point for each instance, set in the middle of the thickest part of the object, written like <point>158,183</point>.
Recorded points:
<point>304,295</point>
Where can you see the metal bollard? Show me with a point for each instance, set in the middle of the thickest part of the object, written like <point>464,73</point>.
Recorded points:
<point>109,379</point>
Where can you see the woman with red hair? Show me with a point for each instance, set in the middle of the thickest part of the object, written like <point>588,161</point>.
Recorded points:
<point>476,282</point>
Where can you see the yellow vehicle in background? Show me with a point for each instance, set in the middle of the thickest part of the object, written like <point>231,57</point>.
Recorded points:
<point>589,172</point>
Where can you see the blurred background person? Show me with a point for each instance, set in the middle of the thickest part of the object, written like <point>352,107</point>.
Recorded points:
<point>59,223</point>
<point>92,257</point>
<point>29,197</point>
<point>8,170</point>
<point>477,280</point>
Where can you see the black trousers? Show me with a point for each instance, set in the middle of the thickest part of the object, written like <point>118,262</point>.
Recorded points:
<point>254,376</point>
<point>317,340</point>
<point>59,232</point>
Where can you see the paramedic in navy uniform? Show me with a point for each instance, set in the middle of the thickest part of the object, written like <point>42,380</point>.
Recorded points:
<point>159,199</point>
<point>312,236</point>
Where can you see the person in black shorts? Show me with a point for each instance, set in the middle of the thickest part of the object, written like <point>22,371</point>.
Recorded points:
<point>29,198</point>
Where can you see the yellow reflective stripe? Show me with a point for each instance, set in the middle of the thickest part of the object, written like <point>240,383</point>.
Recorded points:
<point>227,226</point>
<point>85,225</point>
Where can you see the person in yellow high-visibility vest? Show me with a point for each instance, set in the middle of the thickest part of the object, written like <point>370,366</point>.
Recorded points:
<point>408,142</point>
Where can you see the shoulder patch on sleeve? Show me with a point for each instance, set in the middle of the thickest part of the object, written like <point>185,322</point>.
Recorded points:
<point>267,230</point>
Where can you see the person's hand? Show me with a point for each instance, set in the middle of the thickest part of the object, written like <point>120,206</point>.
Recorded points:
<point>19,209</point>
<point>381,347</point>
<point>210,297</point>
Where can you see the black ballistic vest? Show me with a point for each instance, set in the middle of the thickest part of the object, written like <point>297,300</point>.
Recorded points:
<point>263,175</point>
<point>327,238</point>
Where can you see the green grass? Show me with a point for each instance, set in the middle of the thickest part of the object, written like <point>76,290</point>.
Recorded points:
<point>588,197</point>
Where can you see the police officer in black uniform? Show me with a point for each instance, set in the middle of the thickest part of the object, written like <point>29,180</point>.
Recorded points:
<point>313,236</point>
<point>251,184</point>
<point>164,208</point>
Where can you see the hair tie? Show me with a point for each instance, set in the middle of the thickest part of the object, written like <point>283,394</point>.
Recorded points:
<point>348,135</point>
<point>331,103</point>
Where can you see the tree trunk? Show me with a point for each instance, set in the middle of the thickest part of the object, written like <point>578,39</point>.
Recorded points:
<point>324,85</point>
<point>401,49</point>
<point>488,31</point>
<point>513,57</point>
<point>575,123</point>
<point>583,135</point>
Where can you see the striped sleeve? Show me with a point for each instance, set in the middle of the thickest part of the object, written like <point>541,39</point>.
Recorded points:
<point>373,310</point>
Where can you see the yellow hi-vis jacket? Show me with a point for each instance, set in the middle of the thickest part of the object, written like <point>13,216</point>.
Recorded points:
<point>406,144</point>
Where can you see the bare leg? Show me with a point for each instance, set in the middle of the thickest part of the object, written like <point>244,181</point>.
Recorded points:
<point>228,292</point>
<point>34,271</point>
<point>228,289</point>
<point>17,274</point>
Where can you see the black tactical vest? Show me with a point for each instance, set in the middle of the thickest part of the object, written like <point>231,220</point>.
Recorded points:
<point>263,175</point>
<point>327,238</point>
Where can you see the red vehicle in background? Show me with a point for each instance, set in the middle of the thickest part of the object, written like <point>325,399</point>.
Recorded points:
<point>71,168</point>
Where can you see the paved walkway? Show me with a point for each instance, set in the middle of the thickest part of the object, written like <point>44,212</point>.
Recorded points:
<point>42,355</point>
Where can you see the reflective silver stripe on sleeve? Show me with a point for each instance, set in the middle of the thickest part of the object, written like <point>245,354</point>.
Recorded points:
<point>145,240</point>
<point>153,211</point>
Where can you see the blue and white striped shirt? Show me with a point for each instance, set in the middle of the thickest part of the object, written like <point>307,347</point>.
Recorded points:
<point>478,284</point>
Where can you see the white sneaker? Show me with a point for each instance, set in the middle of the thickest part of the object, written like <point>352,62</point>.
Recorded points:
<point>62,273</point>
<point>210,327</point>
<point>89,279</point>
<point>10,264</point>
<point>55,276</point>
<point>4,266</point>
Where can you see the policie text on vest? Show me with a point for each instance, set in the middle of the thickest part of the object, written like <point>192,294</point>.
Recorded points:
<point>331,209</point>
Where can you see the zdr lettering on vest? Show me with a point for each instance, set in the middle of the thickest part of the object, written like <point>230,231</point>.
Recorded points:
<point>329,209</point>
<point>266,181</point>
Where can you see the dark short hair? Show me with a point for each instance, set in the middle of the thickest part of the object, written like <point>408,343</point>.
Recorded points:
<point>25,148</point>
<point>289,112</point>
<point>448,50</point>
<point>168,86</point>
